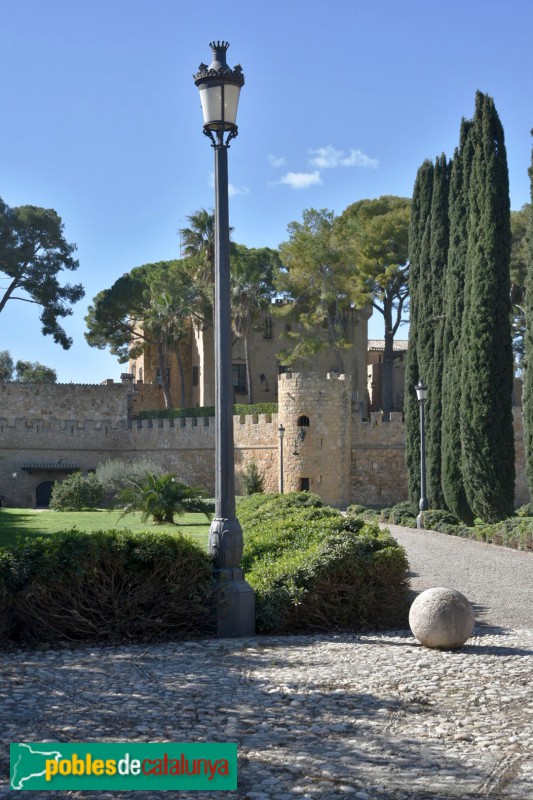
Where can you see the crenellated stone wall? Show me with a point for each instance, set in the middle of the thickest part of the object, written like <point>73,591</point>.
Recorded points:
<point>47,430</point>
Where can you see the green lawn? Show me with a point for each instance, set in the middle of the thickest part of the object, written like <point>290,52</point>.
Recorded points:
<point>17,522</point>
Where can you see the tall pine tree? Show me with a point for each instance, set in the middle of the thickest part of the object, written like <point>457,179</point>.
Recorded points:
<point>452,476</point>
<point>527,395</point>
<point>418,256</point>
<point>487,442</point>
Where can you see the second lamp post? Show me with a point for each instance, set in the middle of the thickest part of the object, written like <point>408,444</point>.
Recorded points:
<point>422,393</point>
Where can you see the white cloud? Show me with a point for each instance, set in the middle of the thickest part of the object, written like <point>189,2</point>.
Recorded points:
<point>301,180</point>
<point>232,190</point>
<point>276,161</point>
<point>329,158</point>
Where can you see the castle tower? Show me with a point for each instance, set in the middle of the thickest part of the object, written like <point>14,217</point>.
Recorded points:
<point>316,414</point>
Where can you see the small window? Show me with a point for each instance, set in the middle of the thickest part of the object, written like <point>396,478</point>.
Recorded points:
<point>195,376</point>
<point>239,379</point>
<point>268,328</point>
<point>303,421</point>
<point>304,484</point>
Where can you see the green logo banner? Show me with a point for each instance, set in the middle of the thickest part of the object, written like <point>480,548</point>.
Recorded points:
<point>126,766</point>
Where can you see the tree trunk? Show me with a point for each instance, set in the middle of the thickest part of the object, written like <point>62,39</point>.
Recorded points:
<point>182,376</point>
<point>339,363</point>
<point>163,373</point>
<point>249,384</point>
<point>388,363</point>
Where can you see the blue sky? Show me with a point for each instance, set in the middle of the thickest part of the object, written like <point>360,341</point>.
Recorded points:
<point>343,100</point>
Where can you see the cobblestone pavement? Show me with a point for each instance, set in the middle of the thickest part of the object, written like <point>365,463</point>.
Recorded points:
<point>370,717</point>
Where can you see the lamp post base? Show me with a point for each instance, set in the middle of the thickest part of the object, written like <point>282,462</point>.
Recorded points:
<point>235,598</point>
<point>235,605</point>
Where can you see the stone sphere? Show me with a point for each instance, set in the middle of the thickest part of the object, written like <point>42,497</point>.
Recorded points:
<point>442,618</point>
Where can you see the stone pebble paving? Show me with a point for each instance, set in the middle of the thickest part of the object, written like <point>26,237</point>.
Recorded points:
<point>321,717</point>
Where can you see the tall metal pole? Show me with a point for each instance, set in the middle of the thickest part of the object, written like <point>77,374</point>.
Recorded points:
<point>281,431</point>
<point>236,599</point>
<point>423,505</point>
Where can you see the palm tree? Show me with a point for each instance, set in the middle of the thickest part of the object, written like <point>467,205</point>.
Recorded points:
<point>175,297</point>
<point>198,243</point>
<point>252,274</point>
<point>162,496</point>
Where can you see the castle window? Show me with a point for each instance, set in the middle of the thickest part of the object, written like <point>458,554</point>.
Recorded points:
<point>158,378</point>
<point>239,379</point>
<point>303,422</point>
<point>268,328</point>
<point>304,484</point>
<point>195,376</point>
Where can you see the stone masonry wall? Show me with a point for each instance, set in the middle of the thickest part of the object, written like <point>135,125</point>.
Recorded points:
<point>346,460</point>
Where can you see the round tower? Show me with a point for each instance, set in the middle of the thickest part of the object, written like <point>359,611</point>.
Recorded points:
<point>316,413</point>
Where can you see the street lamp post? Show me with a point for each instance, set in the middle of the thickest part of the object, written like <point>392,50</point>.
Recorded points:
<point>422,393</point>
<point>281,432</point>
<point>219,88</point>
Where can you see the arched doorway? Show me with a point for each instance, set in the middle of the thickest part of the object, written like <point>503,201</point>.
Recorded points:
<point>43,492</point>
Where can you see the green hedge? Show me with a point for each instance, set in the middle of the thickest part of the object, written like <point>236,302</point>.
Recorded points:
<point>108,585</point>
<point>207,411</point>
<point>315,570</point>
<point>516,532</point>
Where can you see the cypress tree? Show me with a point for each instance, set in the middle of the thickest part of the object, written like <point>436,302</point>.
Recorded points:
<point>452,476</point>
<point>434,326</point>
<point>527,395</point>
<point>487,442</point>
<point>418,255</point>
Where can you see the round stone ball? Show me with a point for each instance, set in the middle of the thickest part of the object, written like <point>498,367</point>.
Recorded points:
<point>442,618</point>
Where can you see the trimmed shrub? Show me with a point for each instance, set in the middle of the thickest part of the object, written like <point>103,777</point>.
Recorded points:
<point>400,514</point>
<point>251,479</point>
<point>108,585</point>
<point>525,511</point>
<point>314,569</point>
<point>77,493</point>
<point>515,532</point>
<point>261,507</point>
<point>368,514</point>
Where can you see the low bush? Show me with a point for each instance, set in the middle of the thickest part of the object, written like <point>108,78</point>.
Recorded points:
<point>525,511</point>
<point>515,532</point>
<point>400,514</point>
<point>368,514</point>
<point>251,479</point>
<point>313,569</point>
<point>116,474</point>
<point>444,522</point>
<point>108,585</point>
<point>77,493</point>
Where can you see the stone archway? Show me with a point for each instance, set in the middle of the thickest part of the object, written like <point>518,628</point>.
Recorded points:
<point>43,492</point>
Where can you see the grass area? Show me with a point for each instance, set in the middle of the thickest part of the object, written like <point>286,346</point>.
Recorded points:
<point>21,522</point>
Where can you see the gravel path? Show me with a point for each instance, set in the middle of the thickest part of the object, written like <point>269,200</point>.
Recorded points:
<point>322,717</point>
<point>498,581</point>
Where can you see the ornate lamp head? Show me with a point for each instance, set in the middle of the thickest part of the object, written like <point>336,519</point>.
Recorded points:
<point>219,87</point>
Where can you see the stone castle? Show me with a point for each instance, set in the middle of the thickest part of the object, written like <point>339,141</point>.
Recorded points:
<point>48,431</point>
